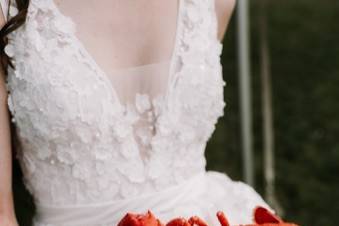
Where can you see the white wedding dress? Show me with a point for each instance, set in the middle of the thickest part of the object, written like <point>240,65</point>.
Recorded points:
<point>94,146</point>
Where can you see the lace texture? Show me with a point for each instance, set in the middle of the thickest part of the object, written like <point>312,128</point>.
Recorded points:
<point>76,138</point>
<point>77,143</point>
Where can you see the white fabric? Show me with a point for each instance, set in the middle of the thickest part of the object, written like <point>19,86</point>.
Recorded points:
<point>159,202</point>
<point>78,142</point>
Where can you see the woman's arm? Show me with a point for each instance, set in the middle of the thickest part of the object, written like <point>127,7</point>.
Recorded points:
<point>7,213</point>
<point>224,10</point>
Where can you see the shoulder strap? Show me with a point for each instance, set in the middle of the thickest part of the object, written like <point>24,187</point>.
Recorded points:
<point>5,8</point>
<point>201,15</point>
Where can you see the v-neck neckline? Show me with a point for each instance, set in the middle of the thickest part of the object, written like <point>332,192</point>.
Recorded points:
<point>105,76</point>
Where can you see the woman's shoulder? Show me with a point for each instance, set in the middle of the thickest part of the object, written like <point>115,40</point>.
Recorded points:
<point>224,10</point>
<point>225,5</point>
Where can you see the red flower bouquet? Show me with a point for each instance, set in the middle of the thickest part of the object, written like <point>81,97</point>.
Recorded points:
<point>262,217</point>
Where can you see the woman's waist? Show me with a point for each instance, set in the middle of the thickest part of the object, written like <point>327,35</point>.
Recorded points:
<point>62,185</point>
<point>94,213</point>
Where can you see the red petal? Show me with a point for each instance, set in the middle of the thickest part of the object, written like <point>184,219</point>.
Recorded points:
<point>262,216</point>
<point>222,219</point>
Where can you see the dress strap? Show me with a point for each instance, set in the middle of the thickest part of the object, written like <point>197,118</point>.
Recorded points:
<point>5,8</point>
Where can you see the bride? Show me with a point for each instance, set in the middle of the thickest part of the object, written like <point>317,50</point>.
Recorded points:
<point>110,105</point>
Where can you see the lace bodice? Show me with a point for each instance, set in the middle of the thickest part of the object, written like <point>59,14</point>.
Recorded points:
<point>76,136</point>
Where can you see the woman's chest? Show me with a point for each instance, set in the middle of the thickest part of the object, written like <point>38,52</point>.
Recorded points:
<point>58,85</point>
<point>126,33</point>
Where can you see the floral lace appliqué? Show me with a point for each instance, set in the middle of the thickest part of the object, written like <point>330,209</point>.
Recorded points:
<point>77,145</point>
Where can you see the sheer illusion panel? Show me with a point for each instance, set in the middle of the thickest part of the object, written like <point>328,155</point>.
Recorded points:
<point>150,79</point>
<point>133,43</point>
<point>137,87</point>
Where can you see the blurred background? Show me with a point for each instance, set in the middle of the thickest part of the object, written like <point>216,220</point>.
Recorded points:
<point>294,55</point>
<point>303,44</point>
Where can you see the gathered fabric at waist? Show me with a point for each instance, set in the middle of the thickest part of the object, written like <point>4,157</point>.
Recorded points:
<point>110,213</point>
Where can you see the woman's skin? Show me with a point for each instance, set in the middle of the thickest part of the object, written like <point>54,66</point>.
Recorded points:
<point>224,10</point>
<point>7,214</point>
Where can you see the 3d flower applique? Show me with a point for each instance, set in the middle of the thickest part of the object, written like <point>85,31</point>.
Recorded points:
<point>66,154</point>
<point>9,50</point>
<point>142,102</point>
<point>64,28</point>
<point>82,170</point>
